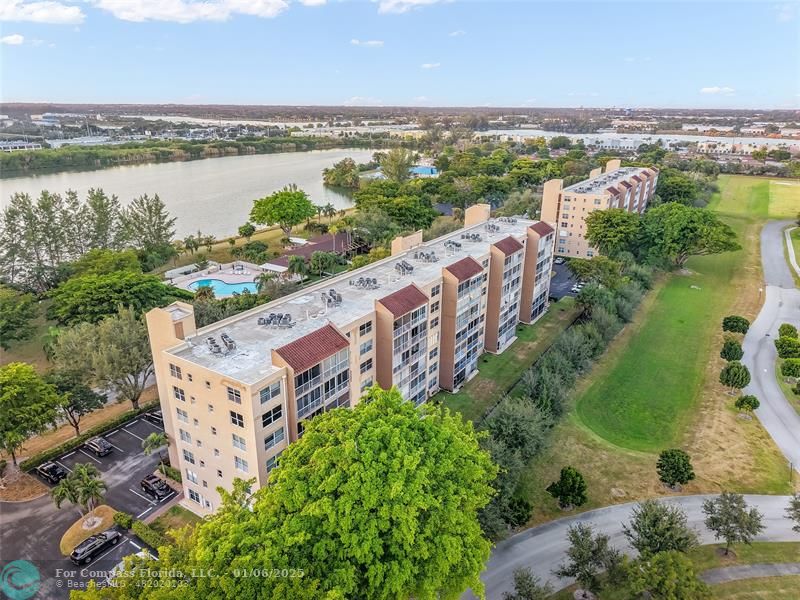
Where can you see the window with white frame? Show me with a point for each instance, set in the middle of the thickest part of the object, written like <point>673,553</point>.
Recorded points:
<point>182,415</point>
<point>188,456</point>
<point>436,290</point>
<point>185,437</point>
<point>234,395</point>
<point>191,475</point>
<point>240,464</point>
<point>237,419</point>
<point>179,393</point>
<point>365,347</point>
<point>271,416</point>
<point>194,496</point>
<point>175,371</point>
<point>238,442</point>
<point>365,328</point>
<point>273,439</point>
<point>270,392</point>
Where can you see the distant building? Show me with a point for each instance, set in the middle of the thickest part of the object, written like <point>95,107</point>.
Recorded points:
<point>236,393</point>
<point>629,188</point>
<point>14,146</point>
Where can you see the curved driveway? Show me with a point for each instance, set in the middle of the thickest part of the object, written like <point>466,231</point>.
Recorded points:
<point>781,305</point>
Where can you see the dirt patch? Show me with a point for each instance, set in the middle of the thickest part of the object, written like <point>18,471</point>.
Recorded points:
<point>100,519</point>
<point>19,486</point>
<point>730,555</point>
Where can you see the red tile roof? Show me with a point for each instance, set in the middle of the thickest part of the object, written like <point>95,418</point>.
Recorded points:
<point>311,349</point>
<point>613,190</point>
<point>508,245</point>
<point>637,178</point>
<point>542,228</point>
<point>625,184</point>
<point>404,301</point>
<point>466,268</point>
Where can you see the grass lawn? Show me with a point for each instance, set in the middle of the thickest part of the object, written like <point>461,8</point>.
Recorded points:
<point>761,588</point>
<point>175,518</point>
<point>76,533</point>
<point>31,351</point>
<point>498,373</point>
<point>786,388</point>
<point>784,198</point>
<point>707,557</point>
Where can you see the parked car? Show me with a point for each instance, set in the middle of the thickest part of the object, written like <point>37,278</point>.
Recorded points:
<point>155,417</point>
<point>94,545</point>
<point>156,487</point>
<point>559,260</point>
<point>100,446</point>
<point>51,472</point>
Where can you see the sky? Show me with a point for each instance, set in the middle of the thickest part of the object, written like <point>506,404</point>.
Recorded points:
<point>635,53</point>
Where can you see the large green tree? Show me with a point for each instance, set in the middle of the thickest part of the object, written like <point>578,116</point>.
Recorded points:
<point>286,208</point>
<point>396,164</point>
<point>28,405</point>
<point>375,502</point>
<point>17,311</point>
<point>729,517</point>
<point>674,467</point>
<point>90,298</point>
<point>674,186</point>
<point>613,231</point>
<point>114,353</point>
<point>147,223</point>
<point>658,527</point>
<point>344,173</point>
<point>676,232</point>
<point>667,575</point>
<point>77,398</point>
<point>590,554</point>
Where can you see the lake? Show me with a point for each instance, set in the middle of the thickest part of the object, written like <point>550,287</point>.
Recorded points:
<point>213,195</point>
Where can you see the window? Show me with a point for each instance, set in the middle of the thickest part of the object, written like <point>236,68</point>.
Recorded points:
<point>219,472</point>
<point>205,485</point>
<point>589,253</point>
<point>175,371</point>
<point>597,201</point>
<point>366,365</point>
<point>240,464</point>
<point>208,385</point>
<point>237,419</point>
<point>216,451</point>
<point>366,347</point>
<point>191,475</point>
<point>185,436</point>
<point>366,383</point>
<point>436,290</point>
<point>213,430</point>
<point>269,392</point>
<point>210,408</point>
<point>179,393</point>
<point>189,377</point>
<point>435,306</point>
<point>272,461</point>
<point>195,422</point>
<point>234,395</point>
<point>238,442</point>
<point>195,497</point>
<point>188,456</point>
<point>272,440</point>
<point>199,443</point>
<point>485,263</point>
<point>271,416</point>
<point>433,353</point>
<point>182,415</point>
<point>435,322</point>
<point>365,328</point>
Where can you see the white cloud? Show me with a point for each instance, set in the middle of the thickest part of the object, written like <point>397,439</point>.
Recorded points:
<point>313,2</point>
<point>716,89</point>
<point>457,33</point>
<point>363,101</point>
<point>785,13</point>
<point>402,6</point>
<point>430,65</point>
<point>420,98</point>
<point>46,11</point>
<point>187,11</point>
<point>367,43</point>
<point>14,39</point>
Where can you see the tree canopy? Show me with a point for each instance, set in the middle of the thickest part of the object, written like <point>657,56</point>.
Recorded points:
<point>344,174</point>
<point>147,223</point>
<point>17,310</point>
<point>286,208</point>
<point>658,527</point>
<point>729,517</point>
<point>613,231</point>
<point>396,164</point>
<point>674,467</point>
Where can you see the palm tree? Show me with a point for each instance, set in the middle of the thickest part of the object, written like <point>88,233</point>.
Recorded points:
<point>263,280</point>
<point>297,266</point>
<point>320,210</point>
<point>204,292</point>
<point>67,491</point>
<point>91,488</point>
<point>153,443</point>
<point>329,211</point>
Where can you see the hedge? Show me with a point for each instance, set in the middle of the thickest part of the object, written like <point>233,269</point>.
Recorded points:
<point>76,442</point>
<point>171,472</point>
<point>791,367</point>
<point>123,519</point>
<point>149,535</point>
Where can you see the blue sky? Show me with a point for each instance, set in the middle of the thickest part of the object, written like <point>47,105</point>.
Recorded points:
<point>402,52</point>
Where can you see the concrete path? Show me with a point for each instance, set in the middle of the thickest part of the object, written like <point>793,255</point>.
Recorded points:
<point>781,305</point>
<point>790,248</point>
<point>724,574</point>
<point>543,548</point>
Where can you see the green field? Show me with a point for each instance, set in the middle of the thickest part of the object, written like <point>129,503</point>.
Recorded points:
<point>647,399</point>
<point>784,198</point>
<point>757,198</point>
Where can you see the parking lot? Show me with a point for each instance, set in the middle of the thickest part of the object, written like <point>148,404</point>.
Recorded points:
<point>562,281</point>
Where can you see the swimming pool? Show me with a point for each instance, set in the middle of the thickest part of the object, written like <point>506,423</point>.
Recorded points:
<point>222,289</point>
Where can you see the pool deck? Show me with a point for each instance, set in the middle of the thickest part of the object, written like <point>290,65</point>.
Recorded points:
<point>224,273</point>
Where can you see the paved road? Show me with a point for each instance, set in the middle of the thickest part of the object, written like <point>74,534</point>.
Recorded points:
<point>542,548</point>
<point>723,574</point>
<point>781,305</point>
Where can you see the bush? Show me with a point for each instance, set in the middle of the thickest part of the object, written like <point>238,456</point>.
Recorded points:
<point>735,323</point>
<point>570,489</point>
<point>731,350</point>
<point>791,367</point>
<point>747,403</point>
<point>674,467</point>
<point>37,459</point>
<point>788,347</point>
<point>148,535</point>
<point>123,519</point>
<point>787,330</point>
<point>734,375</point>
<point>170,472</point>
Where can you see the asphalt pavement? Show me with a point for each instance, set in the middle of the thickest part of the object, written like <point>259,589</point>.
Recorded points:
<point>781,305</point>
<point>32,530</point>
<point>561,281</point>
<point>543,548</point>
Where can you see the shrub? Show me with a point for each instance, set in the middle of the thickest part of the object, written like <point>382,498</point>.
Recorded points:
<point>747,403</point>
<point>674,467</point>
<point>731,350</point>
<point>788,347</point>
<point>170,472</point>
<point>734,375</point>
<point>148,535</point>
<point>791,367</point>
<point>787,330</point>
<point>123,519</point>
<point>570,489</point>
<point>735,323</point>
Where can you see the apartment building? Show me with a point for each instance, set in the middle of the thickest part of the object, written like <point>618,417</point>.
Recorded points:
<point>629,188</point>
<point>236,393</point>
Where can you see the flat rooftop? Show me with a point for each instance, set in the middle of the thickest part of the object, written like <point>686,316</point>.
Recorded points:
<point>598,185</point>
<point>251,359</point>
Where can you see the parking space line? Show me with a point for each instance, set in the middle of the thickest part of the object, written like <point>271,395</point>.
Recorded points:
<point>167,497</point>
<point>90,456</point>
<point>114,547</point>
<point>113,432</point>
<point>133,434</point>
<point>68,455</point>
<point>64,466</point>
<point>117,447</point>
<point>152,424</point>
<point>134,544</point>
<point>142,497</point>
<point>139,516</point>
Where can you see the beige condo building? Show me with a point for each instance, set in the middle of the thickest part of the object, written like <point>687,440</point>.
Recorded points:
<point>628,188</point>
<point>236,393</point>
